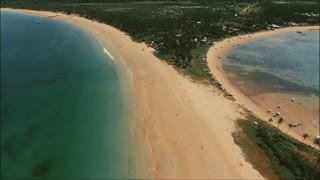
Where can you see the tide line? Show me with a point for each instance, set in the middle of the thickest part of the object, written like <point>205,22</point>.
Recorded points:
<point>107,52</point>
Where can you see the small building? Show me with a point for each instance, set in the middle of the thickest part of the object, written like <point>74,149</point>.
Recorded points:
<point>274,26</point>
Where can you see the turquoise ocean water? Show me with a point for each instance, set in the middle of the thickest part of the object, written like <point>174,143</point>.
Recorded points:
<point>62,112</point>
<point>287,62</point>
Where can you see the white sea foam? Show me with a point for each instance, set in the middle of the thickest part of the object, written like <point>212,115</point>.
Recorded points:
<point>107,52</point>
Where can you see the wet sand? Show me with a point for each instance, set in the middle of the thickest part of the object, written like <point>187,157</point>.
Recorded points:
<point>304,109</point>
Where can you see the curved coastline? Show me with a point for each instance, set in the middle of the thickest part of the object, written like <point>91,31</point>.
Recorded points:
<point>129,116</point>
<point>216,55</point>
<point>85,39</point>
<point>182,129</point>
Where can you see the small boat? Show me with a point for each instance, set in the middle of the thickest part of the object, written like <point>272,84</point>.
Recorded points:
<point>299,32</point>
<point>38,22</point>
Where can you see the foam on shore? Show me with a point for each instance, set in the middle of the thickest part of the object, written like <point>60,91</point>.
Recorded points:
<point>107,52</point>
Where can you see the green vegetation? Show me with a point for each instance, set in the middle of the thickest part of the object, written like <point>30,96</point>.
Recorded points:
<point>275,154</point>
<point>181,31</point>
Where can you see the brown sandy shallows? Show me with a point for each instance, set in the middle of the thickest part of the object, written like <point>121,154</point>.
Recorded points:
<point>304,109</point>
<point>182,129</point>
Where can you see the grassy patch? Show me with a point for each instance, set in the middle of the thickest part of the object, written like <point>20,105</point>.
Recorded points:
<point>275,154</point>
<point>199,68</point>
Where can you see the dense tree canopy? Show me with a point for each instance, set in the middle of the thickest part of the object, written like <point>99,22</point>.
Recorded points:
<point>175,28</point>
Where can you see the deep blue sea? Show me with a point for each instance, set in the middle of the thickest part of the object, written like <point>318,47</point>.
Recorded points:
<point>62,111</point>
<point>287,62</point>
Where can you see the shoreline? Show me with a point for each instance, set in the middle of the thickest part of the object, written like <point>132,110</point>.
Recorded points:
<point>118,129</point>
<point>122,71</point>
<point>181,129</point>
<point>216,56</point>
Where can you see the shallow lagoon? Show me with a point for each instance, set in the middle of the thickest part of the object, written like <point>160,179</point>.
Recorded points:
<point>287,62</point>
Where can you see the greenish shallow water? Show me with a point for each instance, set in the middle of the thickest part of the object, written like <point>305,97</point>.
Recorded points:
<point>287,62</point>
<point>62,113</point>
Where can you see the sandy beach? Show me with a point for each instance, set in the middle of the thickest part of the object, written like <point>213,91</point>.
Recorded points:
<point>305,109</point>
<point>182,129</point>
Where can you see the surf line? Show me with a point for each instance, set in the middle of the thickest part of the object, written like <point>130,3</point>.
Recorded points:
<point>107,52</point>
<point>104,49</point>
<point>121,60</point>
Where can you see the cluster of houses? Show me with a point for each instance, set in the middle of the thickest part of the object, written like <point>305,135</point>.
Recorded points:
<point>310,14</point>
<point>170,11</point>
<point>273,26</point>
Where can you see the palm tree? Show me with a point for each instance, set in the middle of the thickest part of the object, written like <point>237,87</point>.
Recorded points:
<point>305,136</point>
<point>316,141</point>
<point>280,121</point>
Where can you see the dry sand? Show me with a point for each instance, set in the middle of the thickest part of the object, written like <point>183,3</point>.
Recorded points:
<point>182,129</point>
<point>304,110</point>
